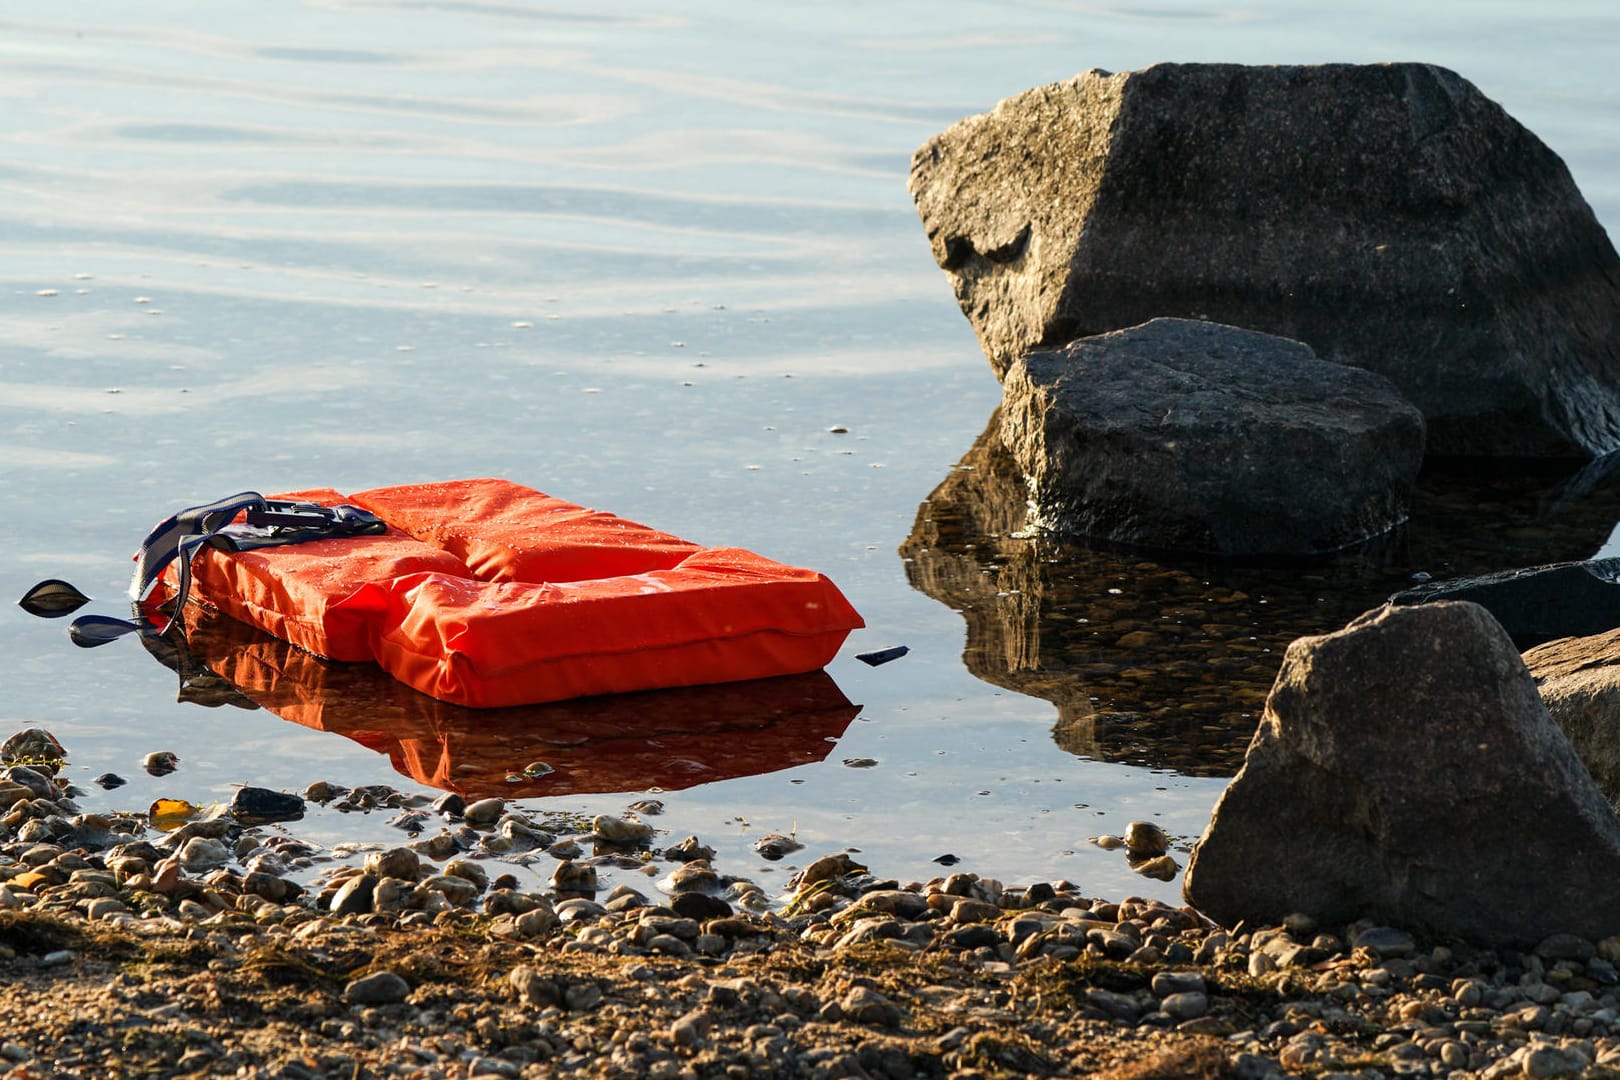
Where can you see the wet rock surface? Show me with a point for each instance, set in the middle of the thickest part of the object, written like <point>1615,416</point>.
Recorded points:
<point>855,976</point>
<point>1406,770</point>
<point>1390,216</point>
<point>1194,436</point>
<point>446,956</point>
<point>1536,604</point>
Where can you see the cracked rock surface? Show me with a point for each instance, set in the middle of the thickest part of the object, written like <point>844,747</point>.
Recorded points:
<point>1390,216</point>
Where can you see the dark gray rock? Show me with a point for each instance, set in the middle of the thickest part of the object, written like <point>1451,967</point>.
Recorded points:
<point>1406,771</point>
<point>1390,216</point>
<point>1579,679</point>
<point>695,905</point>
<point>1195,436</point>
<point>1537,603</point>
<point>354,896</point>
<point>257,806</point>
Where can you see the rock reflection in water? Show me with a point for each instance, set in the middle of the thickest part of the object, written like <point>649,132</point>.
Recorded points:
<point>668,739</point>
<point>1164,660</point>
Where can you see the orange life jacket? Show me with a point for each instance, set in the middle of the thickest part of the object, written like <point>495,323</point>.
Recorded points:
<point>486,593</point>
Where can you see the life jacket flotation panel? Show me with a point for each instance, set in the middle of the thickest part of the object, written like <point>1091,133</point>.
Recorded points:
<point>671,739</point>
<point>486,593</point>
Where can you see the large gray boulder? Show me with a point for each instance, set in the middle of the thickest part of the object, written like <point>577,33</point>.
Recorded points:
<point>1579,678</point>
<point>1390,216</point>
<point>1405,770</point>
<point>1195,436</point>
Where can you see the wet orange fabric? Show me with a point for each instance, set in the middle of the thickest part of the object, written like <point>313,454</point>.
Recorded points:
<point>486,593</point>
<point>670,739</point>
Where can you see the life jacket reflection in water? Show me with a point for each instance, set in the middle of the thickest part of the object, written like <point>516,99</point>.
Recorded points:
<point>485,593</point>
<point>669,739</point>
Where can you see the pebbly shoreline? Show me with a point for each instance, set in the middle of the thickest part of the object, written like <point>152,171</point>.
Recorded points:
<point>185,946</point>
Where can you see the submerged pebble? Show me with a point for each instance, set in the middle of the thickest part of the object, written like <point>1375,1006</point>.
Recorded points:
<point>1159,867</point>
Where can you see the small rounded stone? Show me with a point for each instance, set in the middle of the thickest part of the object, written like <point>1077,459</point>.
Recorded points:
<point>1146,838</point>
<point>161,762</point>
<point>617,830</point>
<point>484,811</point>
<point>379,988</point>
<point>399,862</point>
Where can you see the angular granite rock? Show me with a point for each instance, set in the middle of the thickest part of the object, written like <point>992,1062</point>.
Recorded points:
<point>1406,771</point>
<point>1390,216</point>
<point>1579,678</point>
<point>1194,436</point>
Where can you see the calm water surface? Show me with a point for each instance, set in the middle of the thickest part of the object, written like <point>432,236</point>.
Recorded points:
<point>644,257</point>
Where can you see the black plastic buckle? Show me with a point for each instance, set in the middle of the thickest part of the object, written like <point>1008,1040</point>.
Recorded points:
<point>292,515</point>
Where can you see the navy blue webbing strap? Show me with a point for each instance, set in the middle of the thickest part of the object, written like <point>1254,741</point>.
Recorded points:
<point>267,523</point>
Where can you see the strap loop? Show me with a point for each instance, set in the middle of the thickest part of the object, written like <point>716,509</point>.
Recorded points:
<point>267,523</point>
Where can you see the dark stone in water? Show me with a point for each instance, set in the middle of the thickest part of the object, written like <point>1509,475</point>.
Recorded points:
<point>1186,435</point>
<point>883,656</point>
<point>256,804</point>
<point>451,804</point>
<point>160,763</point>
<point>1537,603</point>
<point>108,781</point>
<point>32,746</point>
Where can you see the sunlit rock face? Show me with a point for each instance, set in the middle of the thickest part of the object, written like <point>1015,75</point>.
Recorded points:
<point>1579,679</point>
<point>1390,216</point>
<point>1406,771</point>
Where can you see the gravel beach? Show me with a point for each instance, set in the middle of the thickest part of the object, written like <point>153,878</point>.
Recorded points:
<point>187,945</point>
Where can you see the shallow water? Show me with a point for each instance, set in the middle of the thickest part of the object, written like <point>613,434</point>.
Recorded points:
<point>644,258</point>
